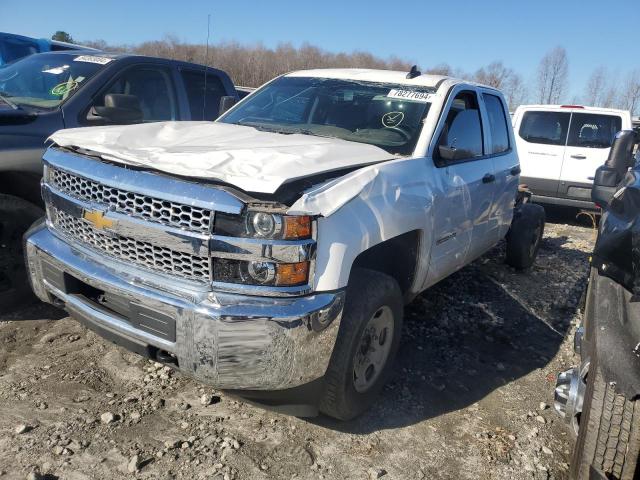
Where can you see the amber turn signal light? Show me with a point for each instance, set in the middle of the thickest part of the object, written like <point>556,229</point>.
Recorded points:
<point>290,274</point>
<point>297,227</point>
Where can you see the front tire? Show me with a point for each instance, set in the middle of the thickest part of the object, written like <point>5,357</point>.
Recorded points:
<point>368,340</point>
<point>609,436</point>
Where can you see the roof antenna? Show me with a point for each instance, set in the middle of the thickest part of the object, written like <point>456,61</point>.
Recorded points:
<point>206,70</point>
<point>414,72</point>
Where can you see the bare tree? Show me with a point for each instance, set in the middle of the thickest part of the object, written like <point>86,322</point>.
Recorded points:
<point>515,92</point>
<point>494,75</point>
<point>552,78</point>
<point>595,88</point>
<point>505,79</point>
<point>630,93</point>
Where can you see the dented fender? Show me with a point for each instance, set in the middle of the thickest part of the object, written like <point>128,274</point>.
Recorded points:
<point>365,208</point>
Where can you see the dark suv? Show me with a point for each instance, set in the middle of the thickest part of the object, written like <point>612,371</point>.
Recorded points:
<point>600,398</point>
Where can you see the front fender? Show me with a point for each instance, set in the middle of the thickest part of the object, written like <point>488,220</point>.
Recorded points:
<point>615,331</point>
<point>397,200</point>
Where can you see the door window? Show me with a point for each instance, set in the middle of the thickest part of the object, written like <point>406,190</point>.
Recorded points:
<point>201,101</point>
<point>152,87</point>
<point>497,124</point>
<point>592,130</point>
<point>548,128</point>
<point>461,136</point>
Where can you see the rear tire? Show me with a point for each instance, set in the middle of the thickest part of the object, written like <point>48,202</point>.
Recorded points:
<point>609,435</point>
<point>525,235</point>
<point>16,216</point>
<point>367,342</point>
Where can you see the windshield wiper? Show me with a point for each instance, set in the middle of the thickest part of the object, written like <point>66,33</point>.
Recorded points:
<point>306,131</point>
<point>8,102</point>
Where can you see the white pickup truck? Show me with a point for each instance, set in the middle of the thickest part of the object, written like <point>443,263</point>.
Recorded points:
<point>270,253</point>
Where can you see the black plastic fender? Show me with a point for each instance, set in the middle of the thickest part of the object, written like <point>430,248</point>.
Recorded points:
<point>616,332</point>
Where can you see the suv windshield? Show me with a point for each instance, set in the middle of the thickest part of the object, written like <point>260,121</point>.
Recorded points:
<point>388,116</point>
<point>45,80</point>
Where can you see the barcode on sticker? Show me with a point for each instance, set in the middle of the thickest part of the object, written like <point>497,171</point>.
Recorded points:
<point>93,59</point>
<point>413,95</point>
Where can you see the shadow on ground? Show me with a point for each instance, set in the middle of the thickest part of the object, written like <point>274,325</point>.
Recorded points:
<point>468,336</point>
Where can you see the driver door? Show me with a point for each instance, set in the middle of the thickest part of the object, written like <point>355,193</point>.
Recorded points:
<point>466,182</point>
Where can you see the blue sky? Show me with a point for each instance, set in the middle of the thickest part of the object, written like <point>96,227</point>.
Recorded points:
<point>466,33</point>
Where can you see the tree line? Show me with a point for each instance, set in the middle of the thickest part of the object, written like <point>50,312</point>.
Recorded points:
<point>253,65</point>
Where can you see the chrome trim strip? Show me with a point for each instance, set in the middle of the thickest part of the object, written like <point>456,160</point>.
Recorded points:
<point>261,290</point>
<point>283,251</point>
<point>146,183</point>
<point>126,226</point>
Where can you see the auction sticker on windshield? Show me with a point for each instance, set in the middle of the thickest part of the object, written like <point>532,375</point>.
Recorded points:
<point>93,59</point>
<point>413,95</point>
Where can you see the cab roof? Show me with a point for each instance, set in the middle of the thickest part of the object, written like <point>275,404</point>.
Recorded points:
<point>382,76</point>
<point>572,107</point>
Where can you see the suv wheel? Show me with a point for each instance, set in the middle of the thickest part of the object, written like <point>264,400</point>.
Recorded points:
<point>609,435</point>
<point>367,343</point>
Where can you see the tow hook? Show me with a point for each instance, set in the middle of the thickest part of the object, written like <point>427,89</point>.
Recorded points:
<point>569,395</point>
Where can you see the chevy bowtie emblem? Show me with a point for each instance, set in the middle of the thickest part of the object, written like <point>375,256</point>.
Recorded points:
<point>96,218</point>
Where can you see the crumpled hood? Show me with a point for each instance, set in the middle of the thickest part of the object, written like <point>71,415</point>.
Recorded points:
<point>252,160</point>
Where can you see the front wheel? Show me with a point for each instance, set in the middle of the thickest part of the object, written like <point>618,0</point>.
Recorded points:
<point>609,435</point>
<point>367,343</point>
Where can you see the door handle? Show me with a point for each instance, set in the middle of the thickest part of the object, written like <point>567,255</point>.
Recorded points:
<point>488,178</point>
<point>515,170</point>
<point>578,157</point>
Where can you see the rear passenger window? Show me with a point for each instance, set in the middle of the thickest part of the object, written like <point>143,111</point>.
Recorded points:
<point>548,128</point>
<point>593,130</point>
<point>203,106</point>
<point>461,137</point>
<point>497,124</point>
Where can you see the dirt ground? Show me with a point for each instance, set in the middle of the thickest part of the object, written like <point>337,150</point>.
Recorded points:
<point>471,398</point>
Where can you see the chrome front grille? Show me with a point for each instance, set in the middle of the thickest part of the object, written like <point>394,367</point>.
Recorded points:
<point>147,255</point>
<point>149,208</point>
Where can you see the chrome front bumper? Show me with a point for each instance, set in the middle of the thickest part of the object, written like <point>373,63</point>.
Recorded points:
<point>227,340</point>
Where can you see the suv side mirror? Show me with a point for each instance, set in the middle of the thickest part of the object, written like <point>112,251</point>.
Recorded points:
<point>226,102</point>
<point>118,109</point>
<point>609,175</point>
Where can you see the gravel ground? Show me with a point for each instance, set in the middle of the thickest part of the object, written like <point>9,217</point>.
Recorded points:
<point>471,398</point>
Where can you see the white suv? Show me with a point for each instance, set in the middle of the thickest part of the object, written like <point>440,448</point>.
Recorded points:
<point>561,146</point>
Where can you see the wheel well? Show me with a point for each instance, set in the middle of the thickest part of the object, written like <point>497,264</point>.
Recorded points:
<point>22,185</point>
<point>396,257</point>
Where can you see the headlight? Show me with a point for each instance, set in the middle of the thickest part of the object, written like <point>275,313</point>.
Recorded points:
<point>256,224</point>
<point>264,224</point>
<point>260,272</point>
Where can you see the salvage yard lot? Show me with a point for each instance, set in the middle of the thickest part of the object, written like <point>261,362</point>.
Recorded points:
<point>471,397</point>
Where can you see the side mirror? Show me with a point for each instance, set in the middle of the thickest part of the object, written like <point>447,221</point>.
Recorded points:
<point>118,109</point>
<point>609,175</point>
<point>605,185</point>
<point>226,102</point>
<point>447,153</point>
